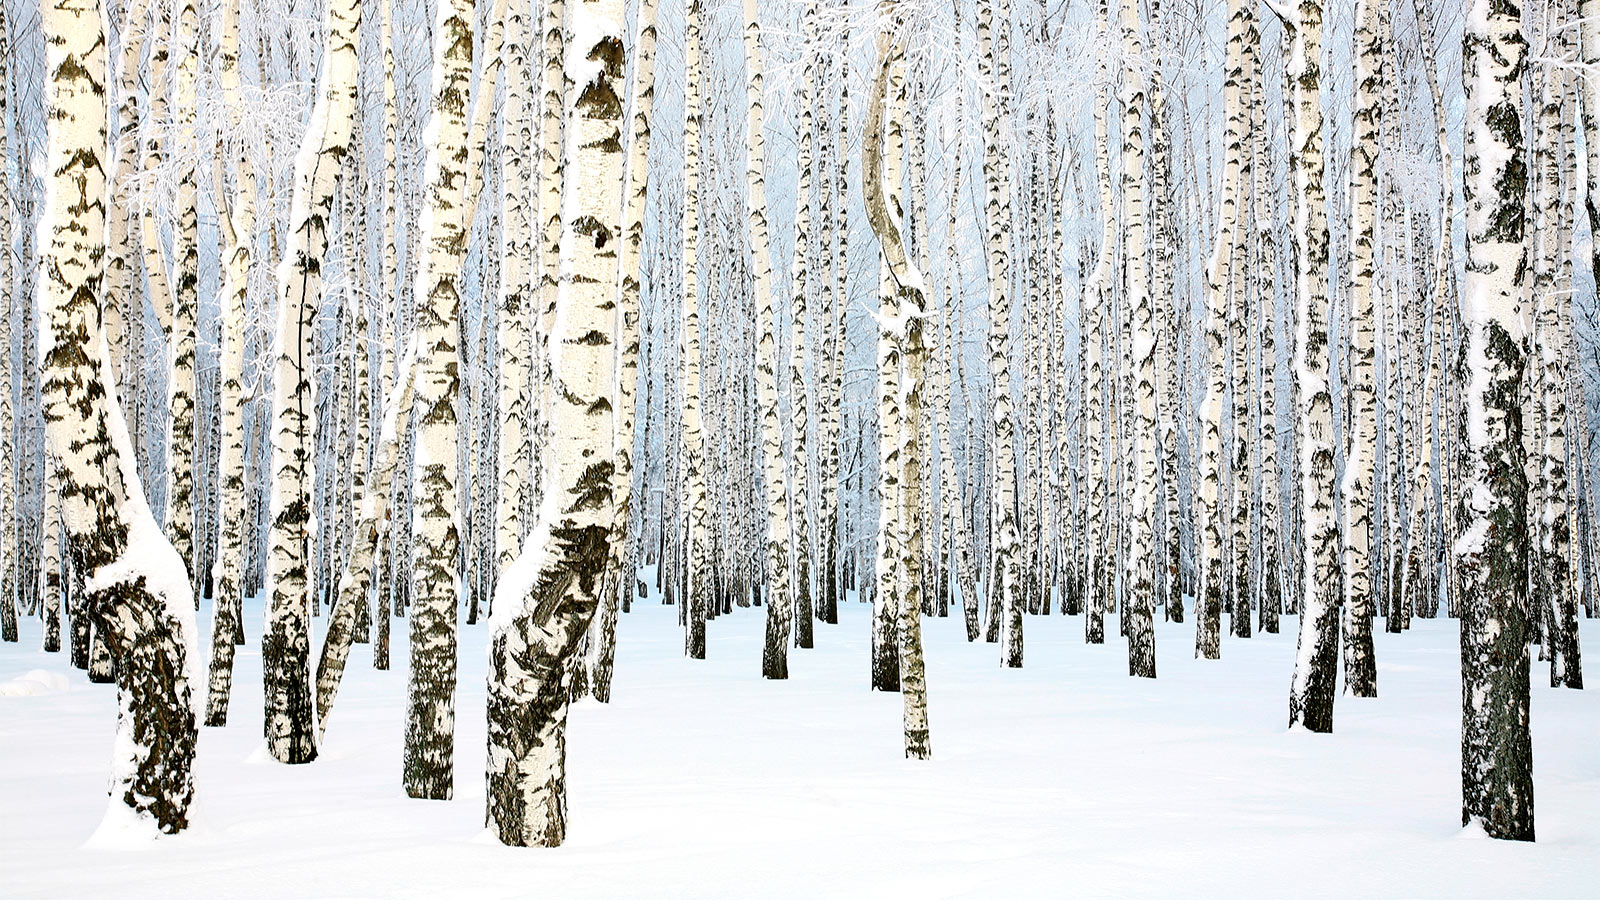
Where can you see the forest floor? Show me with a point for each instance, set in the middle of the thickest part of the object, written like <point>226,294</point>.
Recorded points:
<point>1066,778</point>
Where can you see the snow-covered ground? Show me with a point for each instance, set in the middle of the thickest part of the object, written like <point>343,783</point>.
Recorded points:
<point>1063,779</point>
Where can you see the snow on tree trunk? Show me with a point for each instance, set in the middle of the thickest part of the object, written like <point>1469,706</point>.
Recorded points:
<point>1208,610</point>
<point>996,166</point>
<point>286,645</point>
<point>1312,688</point>
<point>436,511</point>
<point>9,569</point>
<point>239,221</point>
<point>135,586</point>
<point>777,587</point>
<point>901,322</point>
<point>1491,554</point>
<point>697,552</point>
<point>1360,672</point>
<point>800,281</point>
<point>1142,558</point>
<point>546,601</point>
<point>181,385</point>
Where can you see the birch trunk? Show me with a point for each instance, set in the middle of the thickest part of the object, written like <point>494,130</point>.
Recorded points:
<point>286,646</point>
<point>800,279</point>
<point>1491,555</point>
<point>9,570</point>
<point>548,598</point>
<point>436,508</point>
<point>135,585</point>
<point>1208,611</point>
<point>1315,678</point>
<point>239,221</point>
<point>997,119</point>
<point>1361,675</point>
<point>777,587</point>
<point>1142,521</point>
<point>180,519</point>
<point>902,323</point>
<point>697,550</point>
<point>622,570</point>
<point>511,323</point>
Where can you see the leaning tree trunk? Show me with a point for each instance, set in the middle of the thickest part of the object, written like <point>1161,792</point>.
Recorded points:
<point>1315,678</point>
<point>903,325</point>
<point>371,530</point>
<point>286,645</point>
<point>1491,556</point>
<point>546,601</point>
<point>135,586</point>
<point>435,513</point>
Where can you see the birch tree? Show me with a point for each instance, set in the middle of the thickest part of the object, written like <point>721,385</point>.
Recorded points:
<point>1317,661</point>
<point>435,511</point>
<point>1142,558</point>
<point>239,224</point>
<point>135,585</point>
<point>286,645</point>
<point>547,599</point>
<point>1361,675</point>
<point>777,584</point>
<point>1491,555</point>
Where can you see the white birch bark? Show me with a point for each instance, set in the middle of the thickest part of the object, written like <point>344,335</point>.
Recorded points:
<point>800,284</point>
<point>286,645</point>
<point>181,386</point>
<point>1317,661</point>
<point>1136,270</point>
<point>777,587</point>
<point>238,217</point>
<point>901,325</point>
<point>511,323</point>
<point>435,505</point>
<point>697,551</point>
<point>548,598</point>
<point>1491,553</point>
<point>1361,674</point>
<point>8,450</point>
<point>135,586</point>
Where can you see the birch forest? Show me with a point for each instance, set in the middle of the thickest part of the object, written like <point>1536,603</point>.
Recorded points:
<point>1108,392</point>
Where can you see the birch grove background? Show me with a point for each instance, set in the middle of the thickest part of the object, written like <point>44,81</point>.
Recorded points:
<point>399,333</point>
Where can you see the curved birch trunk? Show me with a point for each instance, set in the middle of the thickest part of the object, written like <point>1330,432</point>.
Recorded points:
<point>286,645</point>
<point>901,322</point>
<point>548,598</point>
<point>135,586</point>
<point>355,581</point>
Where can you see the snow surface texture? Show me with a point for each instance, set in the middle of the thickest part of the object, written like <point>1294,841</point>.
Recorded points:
<point>1063,779</point>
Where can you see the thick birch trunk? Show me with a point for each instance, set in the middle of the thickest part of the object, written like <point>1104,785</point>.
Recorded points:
<point>436,509</point>
<point>1492,554</point>
<point>697,551</point>
<point>548,598</point>
<point>135,586</point>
